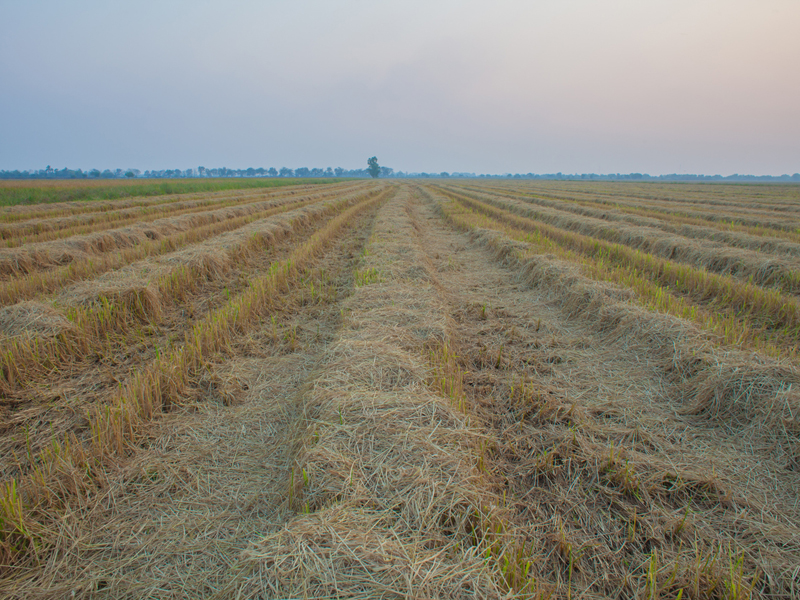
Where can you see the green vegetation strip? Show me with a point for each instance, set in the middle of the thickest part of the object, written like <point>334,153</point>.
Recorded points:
<point>738,313</point>
<point>12,195</point>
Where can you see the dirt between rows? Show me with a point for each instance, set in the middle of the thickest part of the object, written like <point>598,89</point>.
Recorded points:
<point>596,481</point>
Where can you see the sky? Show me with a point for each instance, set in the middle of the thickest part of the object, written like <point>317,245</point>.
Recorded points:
<point>542,86</point>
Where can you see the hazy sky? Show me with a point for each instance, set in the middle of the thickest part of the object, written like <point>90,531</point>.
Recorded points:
<point>657,86</point>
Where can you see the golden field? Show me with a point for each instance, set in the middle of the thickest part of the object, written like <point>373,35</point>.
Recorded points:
<point>410,388</point>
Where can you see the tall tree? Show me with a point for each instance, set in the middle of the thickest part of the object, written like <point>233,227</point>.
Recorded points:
<point>373,167</point>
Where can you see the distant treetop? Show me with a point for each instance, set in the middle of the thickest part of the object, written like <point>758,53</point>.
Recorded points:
<point>373,167</point>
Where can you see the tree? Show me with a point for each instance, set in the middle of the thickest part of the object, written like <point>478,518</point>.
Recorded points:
<point>373,167</point>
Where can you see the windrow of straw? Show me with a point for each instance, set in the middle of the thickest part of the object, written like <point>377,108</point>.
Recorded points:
<point>390,501</point>
<point>760,238</point>
<point>140,292</point>
<point>725,199</point>
<point>613,507</point>
<point>27,287</point>
<point>715,209</point>
<point>40,230</point>
<point>749,266</point>
<point>612,495</point>
<point>116,325</point>
<point>731,388</point>
<point>746,312</point>
<point>172,519</point>
<point>73,467</point>
<point>43,255</point>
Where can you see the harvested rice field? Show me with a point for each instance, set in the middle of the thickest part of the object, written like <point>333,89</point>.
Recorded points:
<point>403,389</point>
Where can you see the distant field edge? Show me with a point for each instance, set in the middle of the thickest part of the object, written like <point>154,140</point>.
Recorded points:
<point>32,191</point>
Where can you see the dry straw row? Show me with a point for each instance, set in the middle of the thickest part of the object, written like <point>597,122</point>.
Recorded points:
<point>43,255</point>
<point>720,200</point>
<point>42,230</point>
<point>127,299</point>
<point>22,212</point>
<point>732,227</point>
<point>756,238</point>
<point>70,468</point>
<point>17,231</point>
<point>390,501</point>
<point>740,312</point>
<point>751,267</point>
<point>26,287</point>
<point>737,390</point>
<point>608,502</point>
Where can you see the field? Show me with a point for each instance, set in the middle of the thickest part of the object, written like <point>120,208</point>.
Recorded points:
<point>417,389</point>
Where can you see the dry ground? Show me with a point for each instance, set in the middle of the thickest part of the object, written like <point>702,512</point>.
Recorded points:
<point>423,411</point>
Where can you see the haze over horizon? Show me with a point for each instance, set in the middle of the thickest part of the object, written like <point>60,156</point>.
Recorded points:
<point>572,86</point>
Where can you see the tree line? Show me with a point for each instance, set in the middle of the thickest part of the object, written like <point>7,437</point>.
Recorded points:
<point>305,172</point>
<point>373,170</point>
